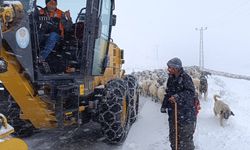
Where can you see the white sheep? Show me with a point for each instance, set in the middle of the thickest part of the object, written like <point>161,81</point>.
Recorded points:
<point>153,88</point>
<point>196,82</point>
<point>145,87</point>
<point>161,93</point>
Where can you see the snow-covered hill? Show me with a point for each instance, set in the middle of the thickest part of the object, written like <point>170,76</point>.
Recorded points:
<point>150,131</point>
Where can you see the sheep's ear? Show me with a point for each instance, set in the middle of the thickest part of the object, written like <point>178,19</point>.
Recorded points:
<point>232,113</point>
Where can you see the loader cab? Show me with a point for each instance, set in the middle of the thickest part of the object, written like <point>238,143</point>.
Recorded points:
<point>67,51</point>
<point>84,47</point>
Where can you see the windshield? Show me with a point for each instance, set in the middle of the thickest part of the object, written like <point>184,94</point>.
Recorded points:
<point>101,44</point>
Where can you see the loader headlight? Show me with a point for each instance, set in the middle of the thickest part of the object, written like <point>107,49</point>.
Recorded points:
<point>3,65</point>
<point>22,37</point>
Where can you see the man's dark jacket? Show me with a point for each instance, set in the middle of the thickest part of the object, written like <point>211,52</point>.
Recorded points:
<point>182,88</point>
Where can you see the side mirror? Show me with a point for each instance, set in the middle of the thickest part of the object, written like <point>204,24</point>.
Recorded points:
<point>113,20</point>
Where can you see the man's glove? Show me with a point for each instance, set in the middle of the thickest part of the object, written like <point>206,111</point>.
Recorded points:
<point>163,110</point>
<point>67,15</point>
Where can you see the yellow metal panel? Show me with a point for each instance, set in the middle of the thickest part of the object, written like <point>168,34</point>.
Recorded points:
<point>114,67</point>
<point>13,144</point>
<point>81,89</point>
<point>33,108</point>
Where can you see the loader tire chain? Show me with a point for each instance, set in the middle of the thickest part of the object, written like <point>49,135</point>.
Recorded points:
<point>12,113</point>
<point>132,93</point>
<point>111,109</point>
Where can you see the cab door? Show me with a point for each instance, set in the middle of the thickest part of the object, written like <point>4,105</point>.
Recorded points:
<point>100,58</point>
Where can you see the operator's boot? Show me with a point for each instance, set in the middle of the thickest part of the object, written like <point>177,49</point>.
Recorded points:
<point>45,67</point>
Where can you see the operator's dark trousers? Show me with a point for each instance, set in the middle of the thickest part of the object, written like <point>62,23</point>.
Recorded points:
<point>49,45</point>
<point>185,136</point>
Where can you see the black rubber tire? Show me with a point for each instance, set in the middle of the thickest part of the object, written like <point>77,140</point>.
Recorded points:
<point>133,95</point>
<point>114,111</point>
<point>11,110</point>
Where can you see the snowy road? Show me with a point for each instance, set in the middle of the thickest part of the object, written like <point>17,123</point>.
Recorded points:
<point>150,131</point>
<point>147,133</point>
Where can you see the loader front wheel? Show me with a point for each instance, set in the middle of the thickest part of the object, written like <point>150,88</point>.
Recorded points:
<point>133,95</point>
<point>114,111</point>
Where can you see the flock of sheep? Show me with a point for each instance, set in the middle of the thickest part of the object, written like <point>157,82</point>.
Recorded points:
<point>153,83</point>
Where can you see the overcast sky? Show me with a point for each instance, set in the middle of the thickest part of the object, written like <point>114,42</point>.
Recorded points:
<point>152,32</point>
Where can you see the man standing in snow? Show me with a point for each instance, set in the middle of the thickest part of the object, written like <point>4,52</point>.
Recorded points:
<point>180,91</point>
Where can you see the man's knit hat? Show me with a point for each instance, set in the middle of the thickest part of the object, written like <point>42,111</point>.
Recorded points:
<point>175,63</point>
<point>46,1</point>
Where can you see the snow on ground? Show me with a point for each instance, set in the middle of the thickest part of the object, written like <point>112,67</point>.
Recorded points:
<point>150,131</point>
<point>236,133</point>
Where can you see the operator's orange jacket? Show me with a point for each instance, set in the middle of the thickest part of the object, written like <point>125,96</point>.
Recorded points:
<point>54,14</point>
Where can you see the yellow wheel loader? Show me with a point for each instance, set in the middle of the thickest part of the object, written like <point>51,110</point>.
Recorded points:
<point>35,96</point>
<point>7,142</point>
